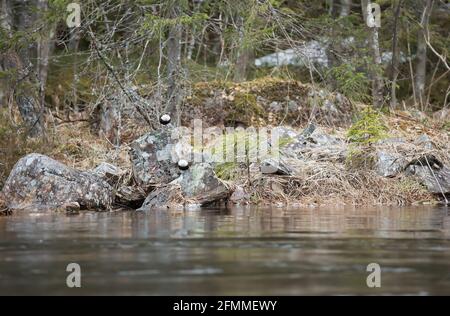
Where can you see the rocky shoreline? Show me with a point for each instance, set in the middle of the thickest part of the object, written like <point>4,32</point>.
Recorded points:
<point>312,167</point>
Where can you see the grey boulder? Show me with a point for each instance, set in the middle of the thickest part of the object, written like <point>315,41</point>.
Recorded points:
<point>198,185</point>
<point>154,157</point>
<point>38,182</point>
<point>432,174</point>
<point>389,165</point>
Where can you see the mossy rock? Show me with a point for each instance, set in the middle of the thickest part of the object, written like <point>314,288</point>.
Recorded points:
<point>248,103</point>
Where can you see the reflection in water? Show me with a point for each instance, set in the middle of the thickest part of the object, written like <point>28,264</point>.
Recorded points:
<point>241,251</point>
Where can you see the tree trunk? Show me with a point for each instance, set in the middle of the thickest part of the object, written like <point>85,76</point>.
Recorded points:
<point>74,43</point>
<point>346,6</point>
<point>6,25</point>
<point>375,69</point>
<point>5,15</point>
<point>421,67</point>
<point>244,54</point>
<point>395,57</point>
<point>174,96</point>
<point>109,120</point>
<point>3,86</point>
<point>43,51</point>
<point>25,83</point>
<point>191,36</point>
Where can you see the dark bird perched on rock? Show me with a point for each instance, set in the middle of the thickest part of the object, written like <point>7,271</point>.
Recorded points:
<point>165,119</point>
<point>183,164</point>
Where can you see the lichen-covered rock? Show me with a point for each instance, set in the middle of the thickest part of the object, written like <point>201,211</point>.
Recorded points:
<point>424,141</point>
<point>432,174</point>
<point>309,52</point>
<point>315,144</point>
<point>39,182</point>
<point>150,159</point>
<point>390,164</point>
<point>390,158</point>
<point>264,101</point>
<point>131,196</point>
<point>442,115</point>
<point>108,172</point>
<point>154,157</point>
<point>201,185</point>
<point>166,197</point>
<point>284,133</point>
<point>394,155</point>
<point>275,167</point>
<point>198,185</point>
<point>314,139</point>
<point>239,196</point>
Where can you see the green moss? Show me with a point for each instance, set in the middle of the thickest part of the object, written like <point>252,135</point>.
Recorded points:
<point>284,141</point>
<point>242,145</point>
<point>244,108</point>
<point>446,126</point>
<point>228,171</point>
<point>368,128</point>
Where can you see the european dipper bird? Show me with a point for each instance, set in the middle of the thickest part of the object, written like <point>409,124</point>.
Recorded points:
<point>165,119</point>
<point>183,164</point>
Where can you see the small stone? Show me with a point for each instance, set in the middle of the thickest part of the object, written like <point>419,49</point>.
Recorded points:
<point>72,207</point>
<point>198,185</point>
<point>239,196</point>
<point>390,164</point>
<point>275,107</point>
<point>275,166</point>
<point>108,172</point>
<point>424,141</point>
<point>432,174</point>
<point>292,106</point>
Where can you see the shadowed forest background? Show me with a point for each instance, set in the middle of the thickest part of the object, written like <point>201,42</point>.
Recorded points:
<point>81,94</point>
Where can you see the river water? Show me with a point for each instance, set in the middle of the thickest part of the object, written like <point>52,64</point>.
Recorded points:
<point>239,251</point>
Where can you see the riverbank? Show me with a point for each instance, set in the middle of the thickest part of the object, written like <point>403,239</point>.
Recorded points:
<point>380,159</point>
<point>264,142</point>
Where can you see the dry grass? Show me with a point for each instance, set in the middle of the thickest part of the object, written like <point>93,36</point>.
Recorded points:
<point>3,209</point>
<point>78,147</point>
<point>15,143</point>
<point>327,184</point>
<point>321,177</point>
